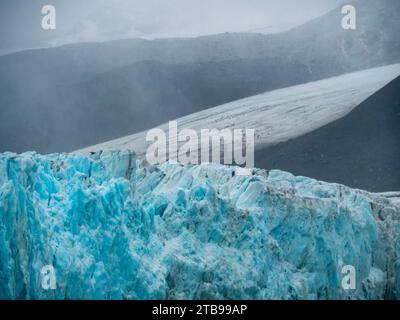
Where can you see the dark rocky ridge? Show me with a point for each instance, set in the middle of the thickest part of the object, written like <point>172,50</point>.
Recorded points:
<point>361,150</point>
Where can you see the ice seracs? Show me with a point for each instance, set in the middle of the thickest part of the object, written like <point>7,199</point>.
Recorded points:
<point>114,229</point>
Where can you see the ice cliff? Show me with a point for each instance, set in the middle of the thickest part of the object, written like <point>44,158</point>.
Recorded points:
<point>115,229</point>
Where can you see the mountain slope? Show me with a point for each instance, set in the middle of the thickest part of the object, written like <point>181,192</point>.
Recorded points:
<point>131,99</point>
<point>361,150</point>
<point>64,98</point>
<point>278,115</point>
<point>323,44</point>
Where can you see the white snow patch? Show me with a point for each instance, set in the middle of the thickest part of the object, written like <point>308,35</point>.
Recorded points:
<point>278,115</point>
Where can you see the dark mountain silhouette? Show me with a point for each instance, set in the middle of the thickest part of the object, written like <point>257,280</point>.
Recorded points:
<point>361,150</point>
<point>64,98</point>
<point>138,97</point>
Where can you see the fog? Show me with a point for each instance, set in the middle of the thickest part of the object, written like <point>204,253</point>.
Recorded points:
<point>102,20</point>
<point>72,96</point>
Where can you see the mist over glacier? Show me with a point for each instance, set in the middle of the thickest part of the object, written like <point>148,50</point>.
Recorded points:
<point>115,229</point>
<point>66,98</point>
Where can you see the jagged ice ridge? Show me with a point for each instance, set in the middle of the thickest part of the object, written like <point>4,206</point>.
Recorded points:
<point>115,229</point>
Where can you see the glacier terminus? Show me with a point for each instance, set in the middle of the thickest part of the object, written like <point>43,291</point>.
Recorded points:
<point>113,228</point>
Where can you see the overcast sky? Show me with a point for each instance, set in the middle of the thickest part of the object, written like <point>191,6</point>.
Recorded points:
<point>102,20</point>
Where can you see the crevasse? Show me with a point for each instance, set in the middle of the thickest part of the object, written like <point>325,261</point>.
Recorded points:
<point>115,229</point>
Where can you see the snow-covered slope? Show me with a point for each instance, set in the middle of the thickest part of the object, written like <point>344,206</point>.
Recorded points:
<point>360,150</point>
<point>278,115</point>
<point>112,229</point>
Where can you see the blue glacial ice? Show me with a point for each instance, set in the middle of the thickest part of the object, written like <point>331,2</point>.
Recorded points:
<point>115,229</point>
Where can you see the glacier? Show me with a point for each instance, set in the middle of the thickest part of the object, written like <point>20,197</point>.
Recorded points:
<point>276,116</point>
<point>114,228</point>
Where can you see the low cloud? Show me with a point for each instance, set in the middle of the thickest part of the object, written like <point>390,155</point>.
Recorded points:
<point>103,20</point>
